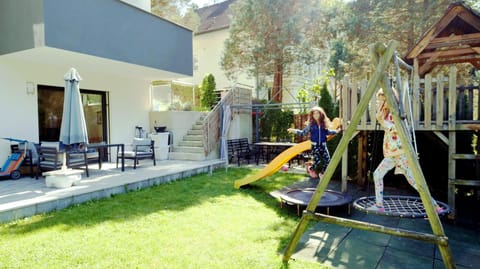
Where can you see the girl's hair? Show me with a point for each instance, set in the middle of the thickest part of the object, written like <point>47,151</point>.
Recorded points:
<point>324,121</point>
<point>380,93</point>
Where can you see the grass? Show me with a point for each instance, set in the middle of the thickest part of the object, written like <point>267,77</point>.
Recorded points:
<point>198,222</point>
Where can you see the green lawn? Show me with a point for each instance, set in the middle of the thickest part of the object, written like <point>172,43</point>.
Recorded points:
<point>198,222</point>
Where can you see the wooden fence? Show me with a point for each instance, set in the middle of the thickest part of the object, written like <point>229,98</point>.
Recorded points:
<point>437,103</point>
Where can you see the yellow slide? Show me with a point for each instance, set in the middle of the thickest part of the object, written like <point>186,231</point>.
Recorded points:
<point>283,158</point>
<point>275,164</point>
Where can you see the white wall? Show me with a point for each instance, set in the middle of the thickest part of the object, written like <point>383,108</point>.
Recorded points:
<point>208,51</point>
<point>129,101</point>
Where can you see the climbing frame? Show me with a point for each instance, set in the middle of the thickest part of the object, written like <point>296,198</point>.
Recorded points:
<point>381,56</point>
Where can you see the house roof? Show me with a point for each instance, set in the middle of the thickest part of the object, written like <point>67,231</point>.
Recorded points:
<point>454,38</point>
<point>214,17</point>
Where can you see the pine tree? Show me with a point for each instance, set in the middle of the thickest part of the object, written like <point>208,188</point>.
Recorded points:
<point>208,99</point>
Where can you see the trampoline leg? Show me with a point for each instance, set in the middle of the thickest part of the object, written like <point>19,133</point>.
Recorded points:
<point>328,210</point>
<point>298,210</point>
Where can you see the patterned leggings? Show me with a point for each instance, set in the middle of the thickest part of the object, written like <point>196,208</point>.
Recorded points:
<point>320,151</point>
<point>400,163</point>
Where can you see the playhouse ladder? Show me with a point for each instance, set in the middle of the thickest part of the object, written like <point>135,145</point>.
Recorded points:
<point>382,57</point>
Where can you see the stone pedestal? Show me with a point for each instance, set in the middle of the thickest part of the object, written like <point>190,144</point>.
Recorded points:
<point>62,178</point>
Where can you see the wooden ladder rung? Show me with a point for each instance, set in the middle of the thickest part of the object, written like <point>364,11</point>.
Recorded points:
<point>465,157</point>
<point>465,182</point>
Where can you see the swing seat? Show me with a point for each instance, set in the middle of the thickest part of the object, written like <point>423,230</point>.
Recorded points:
<point>398,206</point>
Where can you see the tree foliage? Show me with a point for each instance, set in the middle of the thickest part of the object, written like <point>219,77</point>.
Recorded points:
<point>208,98</point>
<point>266,36</point>
<point>178,11</point>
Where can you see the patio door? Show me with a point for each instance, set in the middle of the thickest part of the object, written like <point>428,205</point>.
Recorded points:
<point>50,110</point>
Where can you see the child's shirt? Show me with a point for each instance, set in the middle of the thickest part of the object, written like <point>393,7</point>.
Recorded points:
<point>318,134</point>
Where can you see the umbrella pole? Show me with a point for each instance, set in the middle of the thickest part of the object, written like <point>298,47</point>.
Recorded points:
<point>64,161</point>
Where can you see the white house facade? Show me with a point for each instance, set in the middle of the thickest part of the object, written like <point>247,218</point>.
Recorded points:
<point>118,49</point>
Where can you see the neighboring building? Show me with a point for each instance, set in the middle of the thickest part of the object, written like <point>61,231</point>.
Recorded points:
<point>208,45</point>
<point>118,48</point>
<point>208,48</point>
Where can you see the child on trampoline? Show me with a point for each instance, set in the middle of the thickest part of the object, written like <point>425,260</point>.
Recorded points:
<point>394,154</point>
<point>317,127</point>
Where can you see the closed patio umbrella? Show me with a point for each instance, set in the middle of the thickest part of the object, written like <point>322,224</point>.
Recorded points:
<point>74,128</point>
<point>73,131</point>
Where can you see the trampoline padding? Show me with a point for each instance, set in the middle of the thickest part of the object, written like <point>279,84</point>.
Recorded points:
<point>303,196</point>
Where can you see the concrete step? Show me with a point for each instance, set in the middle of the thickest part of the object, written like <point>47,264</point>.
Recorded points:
<point>186,156</point>
<point>197,127</point>
<point>191,143</point>
<point>190,149</point>
<point>193,138</point>
<point>195,132</point>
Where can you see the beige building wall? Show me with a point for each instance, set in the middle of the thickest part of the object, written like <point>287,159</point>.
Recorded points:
<point>207,53</point>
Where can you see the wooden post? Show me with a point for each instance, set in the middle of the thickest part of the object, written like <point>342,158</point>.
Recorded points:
<point>427,100</point>
<point>440,101</point>
<point>362,159</point>
<point>378,77</point>
<point>416,100</point>
<point>422,187</point>
<point>363,121</point>
<point>372,86</point>
<point>452,138</point>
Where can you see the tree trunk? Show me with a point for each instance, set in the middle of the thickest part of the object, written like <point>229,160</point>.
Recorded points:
<point>277,93</point>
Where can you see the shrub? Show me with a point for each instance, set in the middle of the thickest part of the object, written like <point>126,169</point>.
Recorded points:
<point>209,98</point>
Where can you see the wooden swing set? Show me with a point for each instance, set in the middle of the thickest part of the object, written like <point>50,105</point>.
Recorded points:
<point>381,56</point>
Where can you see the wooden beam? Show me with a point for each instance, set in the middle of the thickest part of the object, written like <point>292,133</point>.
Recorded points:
<point>469,18</point>
<point>450,53</point>
<point>475,63</point>
<point>428,65</point>
<point>454,40</point>
<point>434,31</point>
<point>470,59</point>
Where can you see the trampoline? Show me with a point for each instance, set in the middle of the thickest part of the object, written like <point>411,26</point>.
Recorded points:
<point>302,196</point>
<point>398,206</point>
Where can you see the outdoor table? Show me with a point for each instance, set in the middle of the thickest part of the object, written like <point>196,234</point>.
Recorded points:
<point>273,147</point>
<point>101,147</point>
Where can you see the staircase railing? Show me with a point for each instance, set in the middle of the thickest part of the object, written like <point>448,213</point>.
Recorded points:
<point>211,123</point>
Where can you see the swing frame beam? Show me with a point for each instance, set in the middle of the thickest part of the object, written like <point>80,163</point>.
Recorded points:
<point>381,57</point>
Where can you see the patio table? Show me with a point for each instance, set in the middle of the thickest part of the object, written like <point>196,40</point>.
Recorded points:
<point>101,147</point>
<point>273,148</point>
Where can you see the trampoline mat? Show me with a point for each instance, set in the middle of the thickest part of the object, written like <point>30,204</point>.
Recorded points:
<point>397,205</point>
<point>303,197</point>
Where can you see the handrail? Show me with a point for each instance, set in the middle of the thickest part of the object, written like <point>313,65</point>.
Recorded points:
<point>211,123</point>
<point>434,100</point>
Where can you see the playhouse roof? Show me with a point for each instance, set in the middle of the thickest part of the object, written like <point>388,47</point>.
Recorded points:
<point>454,38</point>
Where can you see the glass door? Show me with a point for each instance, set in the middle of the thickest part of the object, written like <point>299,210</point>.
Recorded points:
<point>50,110</point>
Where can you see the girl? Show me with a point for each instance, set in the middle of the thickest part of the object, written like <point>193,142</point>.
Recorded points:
<point>317,127</point>
<point>394,154</point>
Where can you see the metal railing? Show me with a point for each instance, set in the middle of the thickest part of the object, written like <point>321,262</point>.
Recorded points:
<point>211,123</point>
